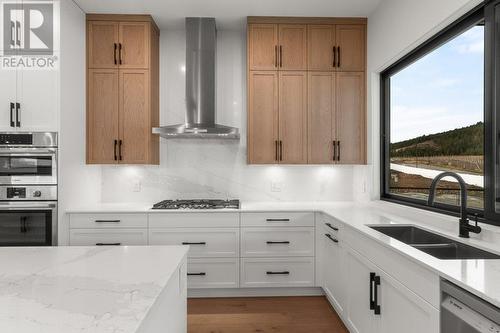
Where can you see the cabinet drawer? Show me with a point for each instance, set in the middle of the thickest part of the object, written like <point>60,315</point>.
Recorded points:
<point>203,242</point>
<point>213,273</point>
<point>108,220</point>
<point>89,237</point>
<point>277,242</point>
<point>191,220</point>
<point>277,272</point>
<point>275,219</point>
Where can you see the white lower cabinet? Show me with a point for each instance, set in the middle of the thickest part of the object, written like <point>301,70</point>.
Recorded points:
<point>213,273</point>
<point>277,242</point>
<point>334,275</point>
<point>379,303</point>
<point>203,242</point>
<point>277,272</point>
<point>103,237</point>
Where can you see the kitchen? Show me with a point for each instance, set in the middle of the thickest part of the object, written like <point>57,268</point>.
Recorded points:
<point>230,167</point>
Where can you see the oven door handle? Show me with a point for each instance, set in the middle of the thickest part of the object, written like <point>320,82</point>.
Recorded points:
<point>24,152</point>
<point>30,206</point>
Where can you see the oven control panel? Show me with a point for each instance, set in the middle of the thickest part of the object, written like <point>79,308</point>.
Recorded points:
<point>16,139</point>
<point>28,193</point>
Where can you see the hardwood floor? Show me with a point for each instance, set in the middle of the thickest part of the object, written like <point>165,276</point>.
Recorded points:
<point>263,315</point>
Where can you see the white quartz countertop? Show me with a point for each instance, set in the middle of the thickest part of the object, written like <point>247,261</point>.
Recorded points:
<point>82,289</point>
<point>480,277</point>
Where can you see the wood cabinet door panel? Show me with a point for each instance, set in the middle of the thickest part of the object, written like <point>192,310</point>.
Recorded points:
<point>351,40</point>
<point>293,117</point>
<point>351,117</point>
<point>262,117</point>
<point>102,116</point>
<point>102,36</point>
<point>293,47</point>
<point>135,128</point>
<point>134,42</point>
<point>262,46</point>
<point>321,108</point>
<point>321,43</point>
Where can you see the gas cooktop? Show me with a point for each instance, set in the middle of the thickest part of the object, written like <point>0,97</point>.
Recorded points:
<point>197,204</point>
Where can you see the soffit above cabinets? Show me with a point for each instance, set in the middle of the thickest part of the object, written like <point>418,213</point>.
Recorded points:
<point>230,14</point>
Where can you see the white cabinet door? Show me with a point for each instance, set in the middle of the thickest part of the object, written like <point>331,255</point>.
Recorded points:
<point>404,311</point>
<point>277,242</point>
<point>334,267</point>
<point>8,99</point>
<point>359,316</point>
<point>38,96</point>
<point>213,273</point>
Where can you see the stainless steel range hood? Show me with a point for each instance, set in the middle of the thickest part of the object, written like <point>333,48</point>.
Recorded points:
<point>200,86</point>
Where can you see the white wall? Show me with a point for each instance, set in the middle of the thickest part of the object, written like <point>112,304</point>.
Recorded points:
<point>395,28</point>
<point>216,169</point>
<point>78,183</point>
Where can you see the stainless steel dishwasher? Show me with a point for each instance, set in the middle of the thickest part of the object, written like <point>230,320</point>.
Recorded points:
<point>462,312</point>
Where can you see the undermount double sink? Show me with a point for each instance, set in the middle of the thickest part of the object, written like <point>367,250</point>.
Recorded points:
<point>436,245</point>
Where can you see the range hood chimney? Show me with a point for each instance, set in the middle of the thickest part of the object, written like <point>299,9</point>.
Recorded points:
<point>200,86</point>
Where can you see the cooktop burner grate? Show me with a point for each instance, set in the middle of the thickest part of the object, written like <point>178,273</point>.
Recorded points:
<point>197,204</point>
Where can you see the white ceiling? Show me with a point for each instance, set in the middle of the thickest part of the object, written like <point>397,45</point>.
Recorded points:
<point>230,14</point>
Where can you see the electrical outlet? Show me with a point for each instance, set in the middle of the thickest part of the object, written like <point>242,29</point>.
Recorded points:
<point>136,186</point>
<point>276,186</point>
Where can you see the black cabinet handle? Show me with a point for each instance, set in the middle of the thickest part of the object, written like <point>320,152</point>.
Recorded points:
<point>107,221</point>
<point>108,244</point>
<point>278,220</point>
<point>372,279</point>
<point>334,56</point>
<point>114,150</point>
<point>278,273</point>
<point>12,115</point>
<point>281,150</point>
<point>120,53</point>
<point>338,150</point>
<point>338,57</point>
<point>12,33</point>
<point>275,150</point>
<point>276,56</point>
<point>18,33</point>
<point>331,238</point>
<point>331,227</point>
<point>376,283</point>
<point>194,243</point>
<point>197,274</point>
<point>281,56</point>
<point>114,53</point>
<point>277,242</point>
<point>120,157</point>
<point>18,121</point>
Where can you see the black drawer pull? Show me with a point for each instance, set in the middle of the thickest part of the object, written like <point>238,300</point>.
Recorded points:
<point>278,273</point>
<point>107,221</point>
<point>197,274</point>
<point>372,302</point>
<point>194,243</point>
<point>108,244</point>
<point>278,220</point>
<point>376,283</point>
<point>278,242</point>
<point>331,238</point>
<point>331,226</point>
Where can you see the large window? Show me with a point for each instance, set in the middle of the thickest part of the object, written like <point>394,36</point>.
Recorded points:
<point>434,118</point>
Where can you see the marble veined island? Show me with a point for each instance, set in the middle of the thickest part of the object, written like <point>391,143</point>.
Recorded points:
<point>119,289</point>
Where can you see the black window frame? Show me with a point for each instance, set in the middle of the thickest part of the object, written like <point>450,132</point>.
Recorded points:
<point>482,13</point>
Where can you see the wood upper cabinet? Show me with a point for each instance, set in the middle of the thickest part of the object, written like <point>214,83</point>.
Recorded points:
<point>122,98</point>
<point>102,44</point>
<point>133,47</point>
<point>263,46</point>
<point>351,47</point>
<point>263,118</point>
<point>102,118</point>
<point>321,47</point>
<point>292,47</point>
<point>293,117</point>
<point>350,118</point>
<point>321,118</point>
<point>306,97</point>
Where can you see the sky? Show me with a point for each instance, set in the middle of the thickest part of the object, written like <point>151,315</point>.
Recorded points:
<point>441,91</point>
